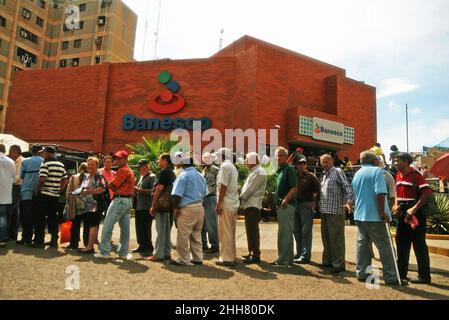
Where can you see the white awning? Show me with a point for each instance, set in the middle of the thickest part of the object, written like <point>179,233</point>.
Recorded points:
<point>8,140</point>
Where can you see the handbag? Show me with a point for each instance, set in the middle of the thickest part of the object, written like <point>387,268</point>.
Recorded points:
<point>65,232</point>
<point>430,208</point>
<point>164,201</point>
<point>74,204</point>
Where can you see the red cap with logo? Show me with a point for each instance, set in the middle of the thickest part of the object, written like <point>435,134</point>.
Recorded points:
<point>121,154</point>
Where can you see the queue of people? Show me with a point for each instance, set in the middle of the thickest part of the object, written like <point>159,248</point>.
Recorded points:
<point>204,205</point>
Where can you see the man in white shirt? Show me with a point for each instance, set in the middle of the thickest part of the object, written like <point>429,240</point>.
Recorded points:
<point>251,198</point>
<point>227,206</point>
<point>7,177</point>
<point>15,153</point>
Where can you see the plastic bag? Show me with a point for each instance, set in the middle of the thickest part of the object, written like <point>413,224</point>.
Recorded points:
<point>65,232</point>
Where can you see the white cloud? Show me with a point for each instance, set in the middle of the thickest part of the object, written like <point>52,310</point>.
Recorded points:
<point>416,111</point>
<point>393,86</point>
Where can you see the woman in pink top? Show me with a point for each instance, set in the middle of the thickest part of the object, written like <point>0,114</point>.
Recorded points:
<point>108,173</point>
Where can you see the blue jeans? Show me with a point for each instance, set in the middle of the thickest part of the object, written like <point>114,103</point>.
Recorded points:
<point>4,209</point>
<point>163,229</point>
<point>210,225</point>
<point>302,230</point>
<point>118,211</point>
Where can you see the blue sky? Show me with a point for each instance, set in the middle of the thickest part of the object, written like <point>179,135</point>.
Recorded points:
<point>401,47</point>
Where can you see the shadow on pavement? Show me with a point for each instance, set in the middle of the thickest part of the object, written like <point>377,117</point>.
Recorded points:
<point>254,273</point>
<point>421,293</point>
<point>47,253</point>
<point>202,271</point>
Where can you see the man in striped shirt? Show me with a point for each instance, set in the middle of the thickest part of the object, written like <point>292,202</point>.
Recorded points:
<point>52,180</point>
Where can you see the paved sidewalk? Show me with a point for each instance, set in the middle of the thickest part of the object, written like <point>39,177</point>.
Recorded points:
<point>268,241</point>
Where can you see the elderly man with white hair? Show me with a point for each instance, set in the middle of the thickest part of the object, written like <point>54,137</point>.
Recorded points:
<point>251,198</point>
<point>336,194</point>
<point>210,225</point>
<point>371,214</point>
<point>227,206</point>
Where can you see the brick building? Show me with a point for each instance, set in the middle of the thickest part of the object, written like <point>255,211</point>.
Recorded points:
<point>249,84</point>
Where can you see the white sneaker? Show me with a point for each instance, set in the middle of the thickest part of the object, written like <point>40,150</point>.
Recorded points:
<point>100,256</point>
<point>129,256</point>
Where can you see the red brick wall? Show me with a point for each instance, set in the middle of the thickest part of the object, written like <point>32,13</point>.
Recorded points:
<point>250,84</point>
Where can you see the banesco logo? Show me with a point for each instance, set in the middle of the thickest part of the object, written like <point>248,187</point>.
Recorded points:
<point>168,101</point>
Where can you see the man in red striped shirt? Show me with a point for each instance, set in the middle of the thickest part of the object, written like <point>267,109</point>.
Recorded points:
<point>412,194</point>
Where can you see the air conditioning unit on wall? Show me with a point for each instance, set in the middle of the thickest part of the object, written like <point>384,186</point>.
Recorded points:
<point>23,33</point>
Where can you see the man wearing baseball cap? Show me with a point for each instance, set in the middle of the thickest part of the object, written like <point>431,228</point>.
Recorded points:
<point>119,209</point>
<point>309,190</point>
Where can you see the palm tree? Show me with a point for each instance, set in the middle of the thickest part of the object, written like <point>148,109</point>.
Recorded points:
<point>150,149</point>
<point>439,222</point>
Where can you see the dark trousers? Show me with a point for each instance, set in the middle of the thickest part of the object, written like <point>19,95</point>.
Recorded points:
<point>14,213</point>
<point>75,231</point>
<point>28,207</point>
<point>144,221</point>
<point>405,237</point>
<point>47,207</point>
<point>252,231</point>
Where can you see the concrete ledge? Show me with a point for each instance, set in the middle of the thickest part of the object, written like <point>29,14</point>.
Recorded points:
<point>439,251</point>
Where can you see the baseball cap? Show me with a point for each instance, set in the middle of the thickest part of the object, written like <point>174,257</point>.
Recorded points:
<point>142,162</point>
<point>301,159</point>
<point>121,154</point>
<point>50,149</point>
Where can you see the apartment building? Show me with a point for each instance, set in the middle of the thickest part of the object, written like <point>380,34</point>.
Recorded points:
<point>39,34</point>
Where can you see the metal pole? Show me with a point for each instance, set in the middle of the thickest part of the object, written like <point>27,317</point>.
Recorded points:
<point>406,124</point>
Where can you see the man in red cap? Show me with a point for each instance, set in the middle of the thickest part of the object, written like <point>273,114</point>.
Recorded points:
<point>119,210</point>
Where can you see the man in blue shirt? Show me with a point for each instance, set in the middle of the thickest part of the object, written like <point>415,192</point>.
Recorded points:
<point>29,173</point>
<point>189,191</point>
<point>371,214</point>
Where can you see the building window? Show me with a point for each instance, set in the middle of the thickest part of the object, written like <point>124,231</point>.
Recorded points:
<point>349,135</point>
<point>81,25</point>
<point>26,57</point>
<point>97,59</point>
<point>2,21</point>
<point>63,63</point>
<point>99,41</point>
<point>41,3</point>
<point>75,62</point>
<point>26,13</point>
<point>77,43</point>
<point>3,2</point>
<point>105,2</point>
<point>29,36</point>
<point>65,45</point>
<point>306,126</point>
<point>39,21</point>
<point>101,20</point>
<point>83,7</point>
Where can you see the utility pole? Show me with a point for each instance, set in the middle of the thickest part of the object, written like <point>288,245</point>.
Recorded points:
<point>406,125</point>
